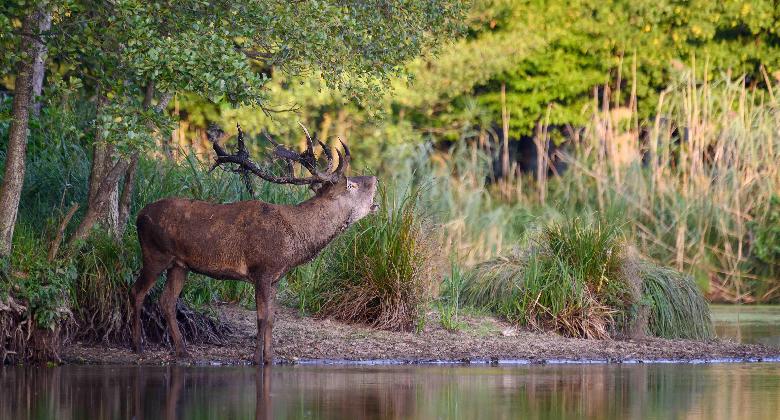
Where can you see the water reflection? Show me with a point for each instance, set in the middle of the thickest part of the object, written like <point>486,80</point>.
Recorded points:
<point>753,324</point>
<point>584,391</point>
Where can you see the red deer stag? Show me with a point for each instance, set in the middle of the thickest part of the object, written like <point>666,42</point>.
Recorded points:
<point>252,240</point>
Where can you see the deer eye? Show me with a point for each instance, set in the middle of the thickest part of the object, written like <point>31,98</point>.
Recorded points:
<point>351,185</point>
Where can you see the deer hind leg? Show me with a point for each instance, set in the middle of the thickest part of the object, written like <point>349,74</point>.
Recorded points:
<point>150,271</point>
<point>176,277</point>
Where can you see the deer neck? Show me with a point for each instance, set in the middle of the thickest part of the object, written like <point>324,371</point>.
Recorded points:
<point>325,220</point>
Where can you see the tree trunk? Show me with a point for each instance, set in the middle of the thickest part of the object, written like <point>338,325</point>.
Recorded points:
<point>103,160</point>
<point>97,206</point>
<point>102,163</point>
<point>111,209</point>
<point>13,178</point>
<point>128,187</point>
<point>127,197</point>
<point>39,68</point>
<point>98,155</point>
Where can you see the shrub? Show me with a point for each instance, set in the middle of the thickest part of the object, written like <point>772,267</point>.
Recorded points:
<point>35,302</point>
<point>381,271</point>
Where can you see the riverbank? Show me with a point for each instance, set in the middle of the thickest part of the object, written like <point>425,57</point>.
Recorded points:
<point>482,338</point>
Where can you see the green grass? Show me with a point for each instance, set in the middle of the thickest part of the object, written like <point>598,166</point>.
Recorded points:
<point>575,278</point>
<point>677,307</point>
<point>569,279</point>
<point>381,272</point>
<point>448,303</point>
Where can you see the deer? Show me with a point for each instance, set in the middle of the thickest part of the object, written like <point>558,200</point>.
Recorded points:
<point>251,240</point>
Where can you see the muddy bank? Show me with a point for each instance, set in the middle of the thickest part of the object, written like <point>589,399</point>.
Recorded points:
<point>483,339</point>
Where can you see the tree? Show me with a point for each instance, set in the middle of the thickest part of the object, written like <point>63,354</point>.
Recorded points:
<point>31,50</point>
<point>569,48</point>
<point>132,55</point>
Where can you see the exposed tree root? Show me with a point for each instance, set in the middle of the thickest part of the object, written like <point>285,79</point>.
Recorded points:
<point>21,340</point>
<point>195,326</point>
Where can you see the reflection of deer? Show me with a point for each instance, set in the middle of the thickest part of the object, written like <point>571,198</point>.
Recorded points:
<point>249,240</point>
<point>263,394</point>
<point>182,388</point>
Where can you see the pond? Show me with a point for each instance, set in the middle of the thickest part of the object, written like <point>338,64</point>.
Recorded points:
<point>752,324</point>
<point>656,390</point>
<point>422,392</point>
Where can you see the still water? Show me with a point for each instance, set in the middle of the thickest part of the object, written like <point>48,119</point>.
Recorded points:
<point>753,324</point>
<point>654,391</point>
<point>661,391</point>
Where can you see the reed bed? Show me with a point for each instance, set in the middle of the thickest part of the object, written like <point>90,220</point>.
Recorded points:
<point>697,184</point>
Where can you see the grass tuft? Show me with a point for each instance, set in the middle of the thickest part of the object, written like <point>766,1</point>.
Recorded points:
<point>568,280</point>
<point>381,272</point>
<point>575,279</point>
<point>677,308</point>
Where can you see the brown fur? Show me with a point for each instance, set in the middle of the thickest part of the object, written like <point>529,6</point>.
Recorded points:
<point>252,241</point>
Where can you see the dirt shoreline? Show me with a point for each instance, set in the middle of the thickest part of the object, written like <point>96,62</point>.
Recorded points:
<point>483,340</point>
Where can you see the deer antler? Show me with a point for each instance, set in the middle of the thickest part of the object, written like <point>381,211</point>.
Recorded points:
<point>307,159</point>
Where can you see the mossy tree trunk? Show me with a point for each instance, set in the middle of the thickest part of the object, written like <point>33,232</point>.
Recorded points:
<point>31,48</point>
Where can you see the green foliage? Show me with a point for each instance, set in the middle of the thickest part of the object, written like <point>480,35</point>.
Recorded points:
<point>575,279</point>
<point>677,308</point>
<point>552,56</point>
<point>380,272</point>
<point>587,43</point>
<point>44,287</point>
<point>224,52</point>
<point>448,304</point>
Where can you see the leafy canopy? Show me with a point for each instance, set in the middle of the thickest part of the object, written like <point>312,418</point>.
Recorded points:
<point>225,51</point>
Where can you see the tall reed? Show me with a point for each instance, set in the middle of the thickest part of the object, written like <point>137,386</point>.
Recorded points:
<point>695,183</point>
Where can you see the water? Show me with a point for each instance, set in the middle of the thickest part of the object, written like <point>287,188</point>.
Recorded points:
<point>660,391</point>
<point>754,324</point>
<point>598,391</point>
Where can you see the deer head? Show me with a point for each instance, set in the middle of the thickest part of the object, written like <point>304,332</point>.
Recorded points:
<point>355,194</point>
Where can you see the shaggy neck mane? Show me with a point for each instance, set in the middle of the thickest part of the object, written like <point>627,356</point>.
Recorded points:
<point>324,220</point>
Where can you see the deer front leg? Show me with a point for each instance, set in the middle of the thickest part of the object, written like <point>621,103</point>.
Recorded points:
<point>264,299</point>
<point>268,352</point>
<point>262,295</point>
